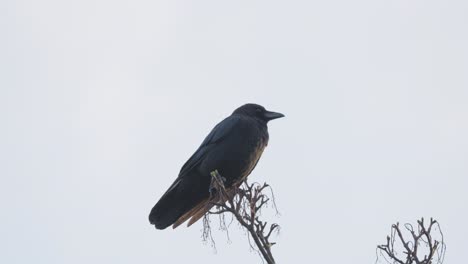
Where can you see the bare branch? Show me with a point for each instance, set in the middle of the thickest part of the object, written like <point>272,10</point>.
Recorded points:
<point>245,202</point>
<point>422,240</point>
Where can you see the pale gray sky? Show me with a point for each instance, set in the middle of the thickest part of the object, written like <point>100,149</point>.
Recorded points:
<point>101,102</point>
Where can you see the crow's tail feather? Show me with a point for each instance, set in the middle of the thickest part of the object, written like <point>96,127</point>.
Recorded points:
<point>168,209</point>
<point>181,197</point>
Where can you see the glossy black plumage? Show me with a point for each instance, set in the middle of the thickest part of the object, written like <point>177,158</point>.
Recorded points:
<point>233,148</point>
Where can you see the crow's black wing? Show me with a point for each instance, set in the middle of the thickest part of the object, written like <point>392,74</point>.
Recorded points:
<point>179,199</point>
<point>219,132</point>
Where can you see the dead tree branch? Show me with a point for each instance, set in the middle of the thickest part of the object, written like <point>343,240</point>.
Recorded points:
<point>245,202</point>
<point>423,245</point>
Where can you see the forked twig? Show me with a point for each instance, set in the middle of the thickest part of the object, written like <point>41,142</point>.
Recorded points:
<point>244,201</point>
<point>425,244</point>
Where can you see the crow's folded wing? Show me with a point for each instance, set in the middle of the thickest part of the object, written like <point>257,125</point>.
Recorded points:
<point>217,134</point>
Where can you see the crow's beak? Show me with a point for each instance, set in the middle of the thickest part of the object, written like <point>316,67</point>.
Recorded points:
<point>272,115</point>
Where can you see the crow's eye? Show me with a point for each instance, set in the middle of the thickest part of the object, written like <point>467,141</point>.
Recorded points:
<point>259,110</point>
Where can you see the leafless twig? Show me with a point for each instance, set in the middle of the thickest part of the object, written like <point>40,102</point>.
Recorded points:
<point>244,202</point>
<point>423,245</point>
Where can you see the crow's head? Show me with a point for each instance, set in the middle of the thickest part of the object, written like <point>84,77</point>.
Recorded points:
<point>258,112</point>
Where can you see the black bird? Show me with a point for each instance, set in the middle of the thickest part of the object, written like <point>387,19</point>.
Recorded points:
<point>233,147</point>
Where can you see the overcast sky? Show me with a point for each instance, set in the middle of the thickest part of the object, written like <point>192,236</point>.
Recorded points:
<point>101,102</point>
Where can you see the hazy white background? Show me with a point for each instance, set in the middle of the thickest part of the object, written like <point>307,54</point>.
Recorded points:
<point>101,102</point>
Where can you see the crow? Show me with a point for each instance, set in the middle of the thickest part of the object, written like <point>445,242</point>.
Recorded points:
<point>233,148</point>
